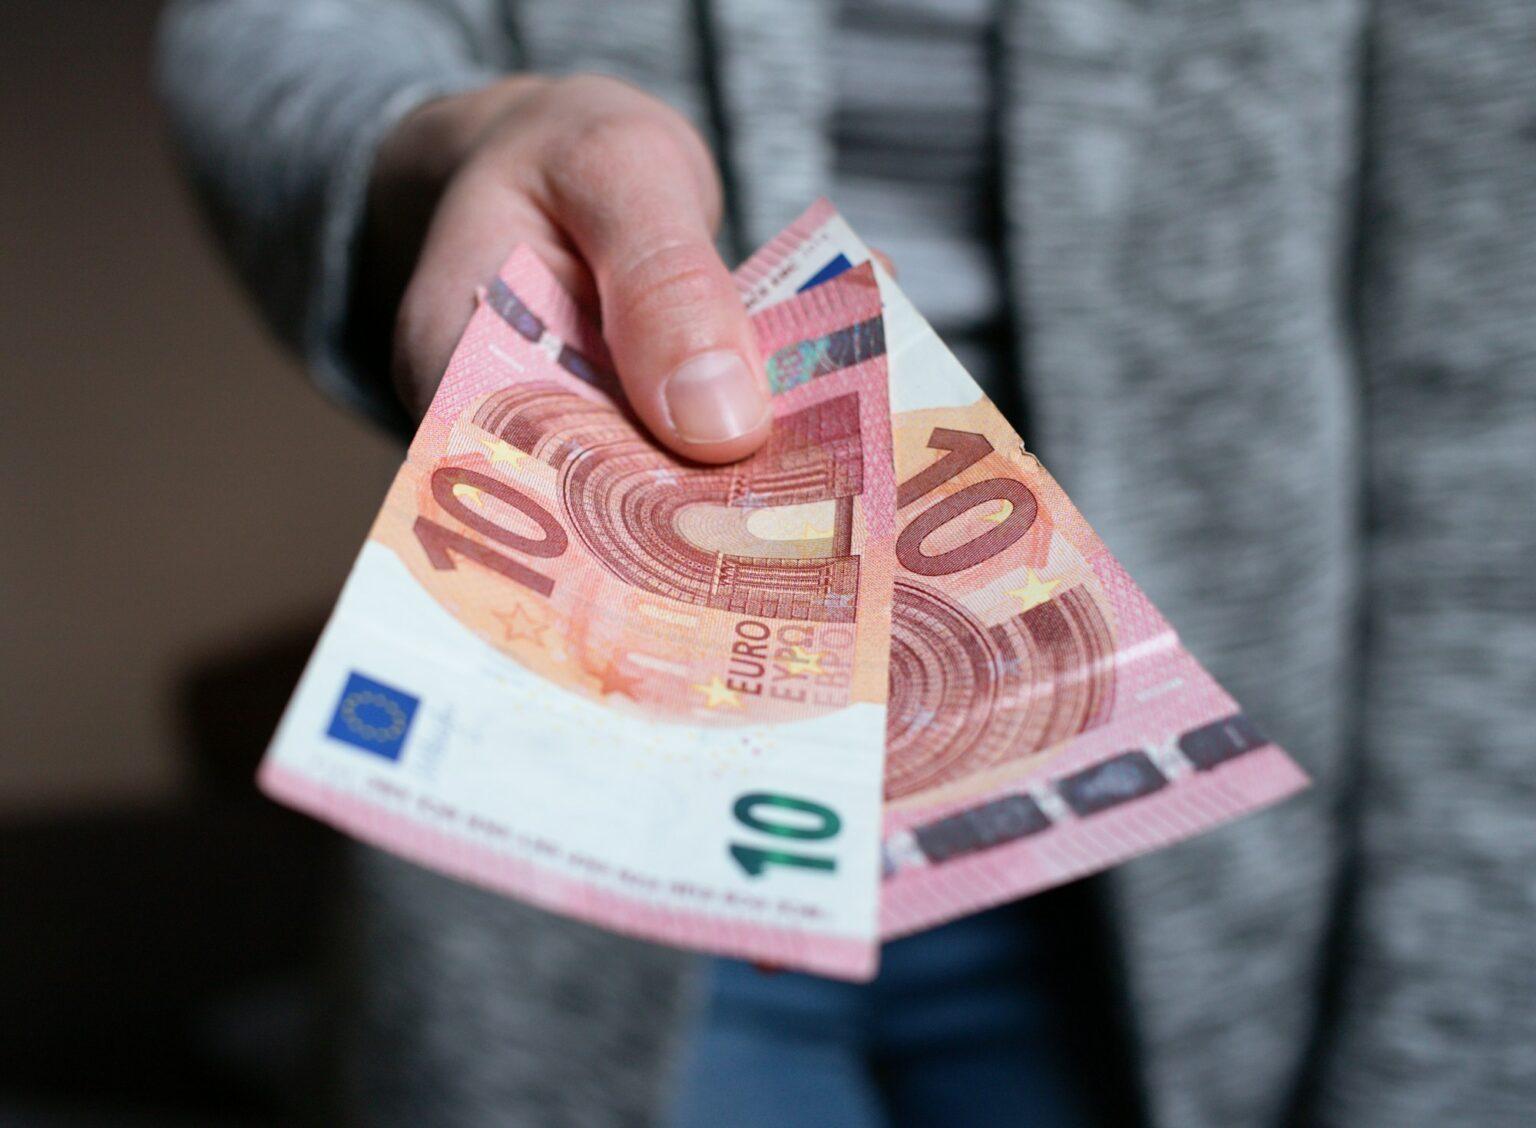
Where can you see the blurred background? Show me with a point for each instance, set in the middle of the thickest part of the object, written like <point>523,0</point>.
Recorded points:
<point>163,576</point>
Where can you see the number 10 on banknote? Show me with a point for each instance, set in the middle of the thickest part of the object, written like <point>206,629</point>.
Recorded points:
<point>641,692</point>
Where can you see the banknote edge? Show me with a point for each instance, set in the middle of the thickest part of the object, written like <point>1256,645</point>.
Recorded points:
<point>833,956</point>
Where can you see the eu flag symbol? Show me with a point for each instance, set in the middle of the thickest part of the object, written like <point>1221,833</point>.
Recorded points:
<point>372,716</point>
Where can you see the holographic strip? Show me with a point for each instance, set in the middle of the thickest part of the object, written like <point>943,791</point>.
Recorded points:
<point>804,361</point>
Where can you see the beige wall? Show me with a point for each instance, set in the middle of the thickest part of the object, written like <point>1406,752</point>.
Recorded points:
<point>168,483</point>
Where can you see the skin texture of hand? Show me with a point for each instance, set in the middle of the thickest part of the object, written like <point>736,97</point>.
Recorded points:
<point>619,195</point>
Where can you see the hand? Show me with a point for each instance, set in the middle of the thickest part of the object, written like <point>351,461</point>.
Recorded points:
<point>619,195</point>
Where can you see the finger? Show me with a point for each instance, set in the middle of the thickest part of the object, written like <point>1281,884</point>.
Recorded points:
<point>637,197</point>
<point>885,261</point>
<point>478,223</point>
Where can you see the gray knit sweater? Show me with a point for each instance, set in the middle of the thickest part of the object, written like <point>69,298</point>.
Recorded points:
<point>1274,265</point>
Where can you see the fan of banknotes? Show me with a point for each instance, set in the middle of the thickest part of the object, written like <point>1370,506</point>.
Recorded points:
<point>880,675</point>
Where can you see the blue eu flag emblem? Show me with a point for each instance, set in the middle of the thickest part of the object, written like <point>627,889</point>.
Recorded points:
<point>372,716</point>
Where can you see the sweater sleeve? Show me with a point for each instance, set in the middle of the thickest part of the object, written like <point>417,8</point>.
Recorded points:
<point>278,107</point>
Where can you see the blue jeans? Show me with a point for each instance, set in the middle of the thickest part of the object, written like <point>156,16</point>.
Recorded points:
<point>958,1029</point>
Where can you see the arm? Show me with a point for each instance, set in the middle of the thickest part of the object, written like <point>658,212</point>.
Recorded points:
<point>338,139</point>
<point>279,107</point>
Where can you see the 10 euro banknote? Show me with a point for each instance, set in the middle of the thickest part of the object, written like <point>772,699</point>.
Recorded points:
<point>644,693</point>
<point>877,676</point>
<point>1045,720</point>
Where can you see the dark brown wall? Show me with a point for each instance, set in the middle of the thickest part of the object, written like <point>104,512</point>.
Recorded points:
<point>169,486</point>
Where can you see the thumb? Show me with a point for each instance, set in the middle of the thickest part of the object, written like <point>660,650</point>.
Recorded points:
<point>680,337</point>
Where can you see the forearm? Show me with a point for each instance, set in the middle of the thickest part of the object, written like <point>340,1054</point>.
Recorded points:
<point>342,141</point>
<point>279,108</point>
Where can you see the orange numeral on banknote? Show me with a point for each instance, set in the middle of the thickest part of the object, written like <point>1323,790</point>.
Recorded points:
<point>966,448</point>
<point>441,544</point>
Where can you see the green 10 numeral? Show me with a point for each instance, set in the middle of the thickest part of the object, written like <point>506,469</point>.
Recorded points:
<point>783,816</point>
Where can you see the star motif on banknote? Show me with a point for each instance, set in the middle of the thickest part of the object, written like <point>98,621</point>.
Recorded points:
<point>613,679</point>
<point>805,661</point>
<point>519,624</point>
<point>1004,511</point>
<point>665,475</point>
<point>718,695</point>
<point>1034,591</point>
<point>499,451</point>
<point>473,495</point>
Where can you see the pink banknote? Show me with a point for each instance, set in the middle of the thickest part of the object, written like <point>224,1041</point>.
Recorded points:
<point>646,693</point>
<point>1045,720</point>
<point>880,675</point>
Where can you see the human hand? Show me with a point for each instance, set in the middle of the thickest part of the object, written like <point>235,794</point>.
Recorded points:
<point>618,194</point>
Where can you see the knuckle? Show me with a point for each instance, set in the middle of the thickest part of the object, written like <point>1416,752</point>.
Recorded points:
<point>664,279</point>
<point>617,139</point>
<point>600,89</point>
<point>607,133</point>
<point>609,121</point>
